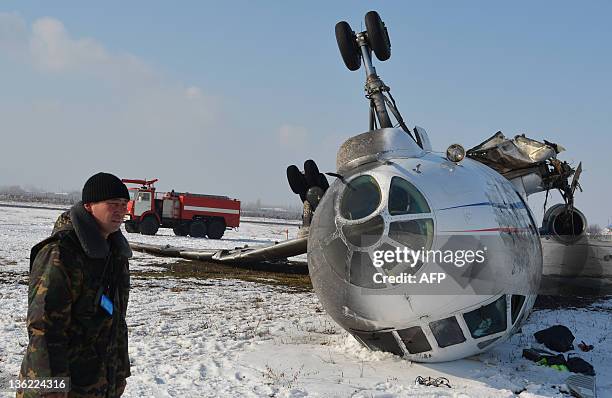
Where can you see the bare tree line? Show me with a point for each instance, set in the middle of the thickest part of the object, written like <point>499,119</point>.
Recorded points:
<point>15,193</point>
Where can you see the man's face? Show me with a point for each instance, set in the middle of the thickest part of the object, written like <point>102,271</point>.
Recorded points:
<point>108,214</point>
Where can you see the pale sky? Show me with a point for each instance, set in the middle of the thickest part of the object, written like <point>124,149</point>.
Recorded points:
<point>220,98</point>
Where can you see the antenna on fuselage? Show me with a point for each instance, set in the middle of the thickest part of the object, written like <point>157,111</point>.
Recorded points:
<point>355,47</point>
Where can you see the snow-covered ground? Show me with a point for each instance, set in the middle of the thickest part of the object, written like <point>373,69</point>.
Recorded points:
<point>231,338</point>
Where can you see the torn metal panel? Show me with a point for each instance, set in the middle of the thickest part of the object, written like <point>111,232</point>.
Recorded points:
<point>505,155</point>
<point>532,166</point>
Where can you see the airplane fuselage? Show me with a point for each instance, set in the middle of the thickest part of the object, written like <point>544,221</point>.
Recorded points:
<point>460,220</point>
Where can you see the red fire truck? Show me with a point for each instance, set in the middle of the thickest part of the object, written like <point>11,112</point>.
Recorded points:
<point>186,213</point>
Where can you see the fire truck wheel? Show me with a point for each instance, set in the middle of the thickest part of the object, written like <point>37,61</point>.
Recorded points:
<point>216,229</point>
<point>131,227</point>
<point>197,229</point>
<point>181,230</point>
<point>149,226</point>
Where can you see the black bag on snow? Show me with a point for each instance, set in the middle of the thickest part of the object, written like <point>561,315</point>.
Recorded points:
<point>536,355</point>
<point>579,365</point>
<point>558,338</point>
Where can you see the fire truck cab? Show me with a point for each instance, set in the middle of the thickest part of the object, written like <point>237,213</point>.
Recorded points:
<point>186,213</point>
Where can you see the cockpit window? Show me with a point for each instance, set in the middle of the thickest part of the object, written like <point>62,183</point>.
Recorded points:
<point>487,320</point>
<point>404,198</point>
<point>361,197</point>
<point>379,341</point>
<point>414,339</point>
<point>447,332</point>
<point>415,234</point>
<point>364,234</point>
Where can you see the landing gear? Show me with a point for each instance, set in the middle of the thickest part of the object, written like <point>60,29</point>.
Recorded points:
<point>377,40</point>
<point>355,49</point>
<point>311,186</point>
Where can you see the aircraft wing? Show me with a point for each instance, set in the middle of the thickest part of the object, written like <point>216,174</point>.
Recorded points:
<point>276,252</point>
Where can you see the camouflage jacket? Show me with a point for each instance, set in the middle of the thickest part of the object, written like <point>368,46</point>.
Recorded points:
<point>69,334</point>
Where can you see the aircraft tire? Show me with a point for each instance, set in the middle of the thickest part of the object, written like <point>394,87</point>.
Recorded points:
<point>311,173</point>
<point>216,229</point>
<point>297,181</point>
<point>345,37</point>
<point>197,229</point>
<point>149,226</point>
<point>378,36</point>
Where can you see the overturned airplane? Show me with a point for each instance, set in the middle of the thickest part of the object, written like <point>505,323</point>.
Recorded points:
<point>431,256</point>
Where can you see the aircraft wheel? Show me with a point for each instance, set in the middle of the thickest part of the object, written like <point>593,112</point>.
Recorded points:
<point>297,181</point>
<point>216,229</point>
<point>149,226</point>
<point>347,43</point>
<point>378,36</point>
<point>311,173</point>
<point>181,230</point>
<point>197,229</point>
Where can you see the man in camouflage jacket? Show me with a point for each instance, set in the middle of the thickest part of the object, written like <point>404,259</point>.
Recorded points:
<point>70,334</point>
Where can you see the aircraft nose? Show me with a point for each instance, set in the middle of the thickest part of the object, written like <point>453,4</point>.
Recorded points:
<point>369,212</point>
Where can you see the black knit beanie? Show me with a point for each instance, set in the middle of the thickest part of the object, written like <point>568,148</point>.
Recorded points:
<point>103,186</point>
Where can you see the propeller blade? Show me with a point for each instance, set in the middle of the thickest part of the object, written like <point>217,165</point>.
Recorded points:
<point>576,177</point>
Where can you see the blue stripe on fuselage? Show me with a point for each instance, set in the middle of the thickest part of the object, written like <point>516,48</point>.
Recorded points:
<point>516,205</point>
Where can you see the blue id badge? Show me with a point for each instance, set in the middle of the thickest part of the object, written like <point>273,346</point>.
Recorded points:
<point>107,304</point>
